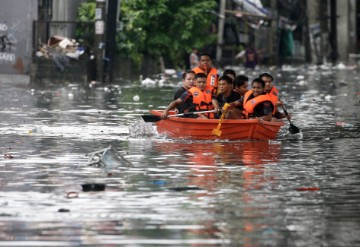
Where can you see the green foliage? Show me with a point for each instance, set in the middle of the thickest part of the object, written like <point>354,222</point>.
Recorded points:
<point>85,28</point>
<point>167,28</point>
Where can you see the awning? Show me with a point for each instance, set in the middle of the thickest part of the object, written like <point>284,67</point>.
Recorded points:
<point>254,7</point>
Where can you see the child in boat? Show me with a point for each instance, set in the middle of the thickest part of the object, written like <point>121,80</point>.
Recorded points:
<point>257,103</point>
<point>205,66</point>
<point>201,98</point>
<point>188,79</point>
<point>273,94</point>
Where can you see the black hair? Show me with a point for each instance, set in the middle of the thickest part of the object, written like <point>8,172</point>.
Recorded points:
<point>229,72</point>
<point>259,80</point>
<point>266,75</point>
<point>205,54</point>
<point>226,78</point>
<point>200,75</point>
<point>187,72</point>
<point>240,80</point>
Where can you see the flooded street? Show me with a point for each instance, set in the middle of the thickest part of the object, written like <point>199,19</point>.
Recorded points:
<point>298,190</point>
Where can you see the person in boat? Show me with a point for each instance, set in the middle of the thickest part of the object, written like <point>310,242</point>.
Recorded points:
<point>201,98</point>
<point>226,92</point>
<point>273,94</point>
<point>227,95</point>
<point>205,66</point>
<point>241,83</point>
<point>188,79</point>
<point>235,109</point>
<point>257,103</point>
<point>230,73</point>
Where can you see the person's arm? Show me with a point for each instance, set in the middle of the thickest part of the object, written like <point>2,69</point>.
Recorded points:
<point>171,106</point>
<point>267,111</point>
<point>215,103</point>
<point>267,117</point>
<point>237,103</point>
<point>240,54</point>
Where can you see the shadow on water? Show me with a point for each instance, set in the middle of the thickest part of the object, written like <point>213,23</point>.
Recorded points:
<point>293,191</point>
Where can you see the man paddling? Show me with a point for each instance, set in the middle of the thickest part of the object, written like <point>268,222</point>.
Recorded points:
<point>273,94</point>
<point>200,97</point>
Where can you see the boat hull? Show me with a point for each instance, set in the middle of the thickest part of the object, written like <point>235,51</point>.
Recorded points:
<point>231,129</point>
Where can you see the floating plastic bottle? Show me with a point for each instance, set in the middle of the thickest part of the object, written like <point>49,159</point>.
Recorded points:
<point>342,124</point>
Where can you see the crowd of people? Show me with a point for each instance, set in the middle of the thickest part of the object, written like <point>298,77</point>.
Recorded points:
<point>209,95</point>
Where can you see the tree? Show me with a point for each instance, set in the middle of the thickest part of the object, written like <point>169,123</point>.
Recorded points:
<point>164,28</point>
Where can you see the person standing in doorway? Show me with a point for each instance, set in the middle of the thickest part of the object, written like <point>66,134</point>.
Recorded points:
<point>194,58</point>
<point>251,57</point>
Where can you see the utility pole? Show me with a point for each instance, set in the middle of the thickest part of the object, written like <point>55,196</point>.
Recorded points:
<point>111,20</point>
<point>99,39</point>
<point>333,32</point>
<point>221,24</point>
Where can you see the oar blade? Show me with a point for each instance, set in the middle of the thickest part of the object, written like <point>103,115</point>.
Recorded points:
<point>150,118</point>
<point>293,129</point>
<point>216,132</point>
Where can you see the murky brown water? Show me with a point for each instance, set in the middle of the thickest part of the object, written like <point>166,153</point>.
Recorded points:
<point>289,192</point>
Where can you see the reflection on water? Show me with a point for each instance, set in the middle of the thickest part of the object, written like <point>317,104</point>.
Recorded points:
<point>288,192</point>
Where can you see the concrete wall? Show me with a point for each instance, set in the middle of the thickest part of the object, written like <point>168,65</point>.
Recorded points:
<point>16,20</point>
<point>64,10</point>
<point>346,28</point>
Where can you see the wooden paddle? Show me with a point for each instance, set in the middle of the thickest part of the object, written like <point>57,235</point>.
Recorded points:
<point>292,128</point>
<point>217,131</point>
<point>153,118</point>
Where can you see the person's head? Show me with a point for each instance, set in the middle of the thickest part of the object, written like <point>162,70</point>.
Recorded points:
<point>188,79</point>
<point>200,81</point>
<point>230,73</point>
<point>241,84</point>
<point>225,84</point>
<point>258,86</point>
<point>205,61</point>
<point>268,79</point>
<point>195,50</point>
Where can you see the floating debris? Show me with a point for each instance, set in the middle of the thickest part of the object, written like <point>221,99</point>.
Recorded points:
<point>107,157</point>
<point>93,187</point>
<point>63,210</point>
<point>185,188</point>
<point>72,194</point>
<point>308,189</point>
<point>342,124</point>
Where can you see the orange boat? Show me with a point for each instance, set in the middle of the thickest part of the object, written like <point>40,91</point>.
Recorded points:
<point>231,129</point>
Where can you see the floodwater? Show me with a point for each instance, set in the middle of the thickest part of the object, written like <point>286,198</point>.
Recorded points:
<point>298,190</point>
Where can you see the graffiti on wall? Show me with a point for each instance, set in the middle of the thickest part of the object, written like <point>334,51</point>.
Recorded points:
<point>7,44</point>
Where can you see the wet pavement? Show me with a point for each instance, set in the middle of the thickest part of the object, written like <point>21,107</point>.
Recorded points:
<point>298,190</point>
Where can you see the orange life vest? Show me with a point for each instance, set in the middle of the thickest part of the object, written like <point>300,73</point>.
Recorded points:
<point>249,105</point>
<point>203,100</point>
<point>212,77</point>
<point>274,95</point>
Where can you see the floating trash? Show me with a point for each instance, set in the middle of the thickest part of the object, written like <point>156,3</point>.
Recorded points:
<point>107,157</point>
<point>308,189</point>
<point>72,194</point>
<point>63,210</point>
<point>93,187</point>
<point>342,124</point>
